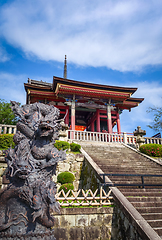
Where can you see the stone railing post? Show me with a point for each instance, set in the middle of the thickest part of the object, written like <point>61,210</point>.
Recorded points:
<point>5,130</point>
<point>125,137</point>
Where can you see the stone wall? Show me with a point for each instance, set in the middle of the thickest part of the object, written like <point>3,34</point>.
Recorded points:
<point>102,223</point>
<point>122,228</point>
<point>83,223</point>
<point>89,179</point>
<point>73,164</point>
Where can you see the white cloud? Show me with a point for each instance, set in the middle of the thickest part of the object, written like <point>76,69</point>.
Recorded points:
<point>152,94</point>
<point>122,35</point>
<point>3,55</point>
<point>12,86</point>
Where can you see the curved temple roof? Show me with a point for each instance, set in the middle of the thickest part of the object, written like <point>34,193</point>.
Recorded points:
<point>66,88</point>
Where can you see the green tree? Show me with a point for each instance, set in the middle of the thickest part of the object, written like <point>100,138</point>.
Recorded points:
<point>156,125</point>
<point>6,114</point>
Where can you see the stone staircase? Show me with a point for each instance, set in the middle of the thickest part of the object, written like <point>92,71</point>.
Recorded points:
<point>118,159</point>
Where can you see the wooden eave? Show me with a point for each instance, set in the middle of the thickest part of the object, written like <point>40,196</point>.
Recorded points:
<point>57,80</point>
<point>34,92</point>
<point>137,100</point>
<point>98,93</point>
<point>36,87</point>
<point>130,103</point>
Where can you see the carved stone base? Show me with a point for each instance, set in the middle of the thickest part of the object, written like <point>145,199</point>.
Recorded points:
<point>18,222</point>
<point>49,235</point>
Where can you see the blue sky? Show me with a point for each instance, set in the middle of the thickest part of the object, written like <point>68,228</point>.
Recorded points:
<point>108,42</point>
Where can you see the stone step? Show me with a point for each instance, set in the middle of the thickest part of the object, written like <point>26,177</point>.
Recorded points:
<point>149,209</point>
<point>142,194</point>
<point>123,165</point>
<point>123,188</point>
<point>147,204</point>
<point>132,177</point>
<point>129,171</point>
<point>155,223</point>
<point>135,178</point>
<point>145,199</point>
<point>158,230</point>
<point>152,216</point>
<point>142,190</point>
<point>136,183</point>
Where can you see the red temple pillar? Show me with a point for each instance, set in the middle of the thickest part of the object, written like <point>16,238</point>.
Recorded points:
<point>73,115</point>
<point>98,120</point>
<point>109,121</point>
<point>118,123</point>
<point>92,126</point>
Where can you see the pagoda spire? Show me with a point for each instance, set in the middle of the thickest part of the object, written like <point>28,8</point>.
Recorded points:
<point>65,68</point>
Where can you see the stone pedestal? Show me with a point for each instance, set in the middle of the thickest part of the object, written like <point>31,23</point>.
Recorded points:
<point>63,133</point>
<point>140,133</point>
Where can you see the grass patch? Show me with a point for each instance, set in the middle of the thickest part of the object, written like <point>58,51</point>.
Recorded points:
<point>73,206</point>
<point>73,152</point>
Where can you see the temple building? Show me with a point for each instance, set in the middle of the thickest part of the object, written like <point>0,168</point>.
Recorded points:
<point>85,106</point>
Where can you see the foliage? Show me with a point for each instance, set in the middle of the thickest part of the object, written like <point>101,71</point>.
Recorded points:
<point>65,177</point>
<point>65,146</point>
<point>75,147</point>
<point>154,150</point>
<point>6,114</point>
<point>62,145</point>
<point>6,141</point>
<point>66,187</point>
<point>157,121</point>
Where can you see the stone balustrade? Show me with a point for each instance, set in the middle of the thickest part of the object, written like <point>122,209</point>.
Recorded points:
<point>101,137</point>
<point>153,140</point>
<point>92,136</point>
<point>7,129</point>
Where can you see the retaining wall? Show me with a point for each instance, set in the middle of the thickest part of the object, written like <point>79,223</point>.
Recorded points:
<point>83,224</point>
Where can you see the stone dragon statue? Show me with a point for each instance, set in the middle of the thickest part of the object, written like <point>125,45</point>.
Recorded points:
<point>27,202</point>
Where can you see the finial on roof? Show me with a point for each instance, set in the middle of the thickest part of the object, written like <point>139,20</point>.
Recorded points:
<point>65,68</point>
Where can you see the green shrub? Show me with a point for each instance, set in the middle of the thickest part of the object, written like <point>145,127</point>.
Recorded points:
<point>65,177</point>
<point>6,141</point>
<point>153,150</point>
<point>75,147</point>
<point>62,145</point>
<point>66,187</point>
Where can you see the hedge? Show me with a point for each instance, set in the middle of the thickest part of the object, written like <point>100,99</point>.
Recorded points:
<point>65,177</point>
<point>66,187</point>
<point>65,146</point>
<point>62,145</point>
<point>153,150</point>
<point>75,147</point>
<point>6,141</point>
